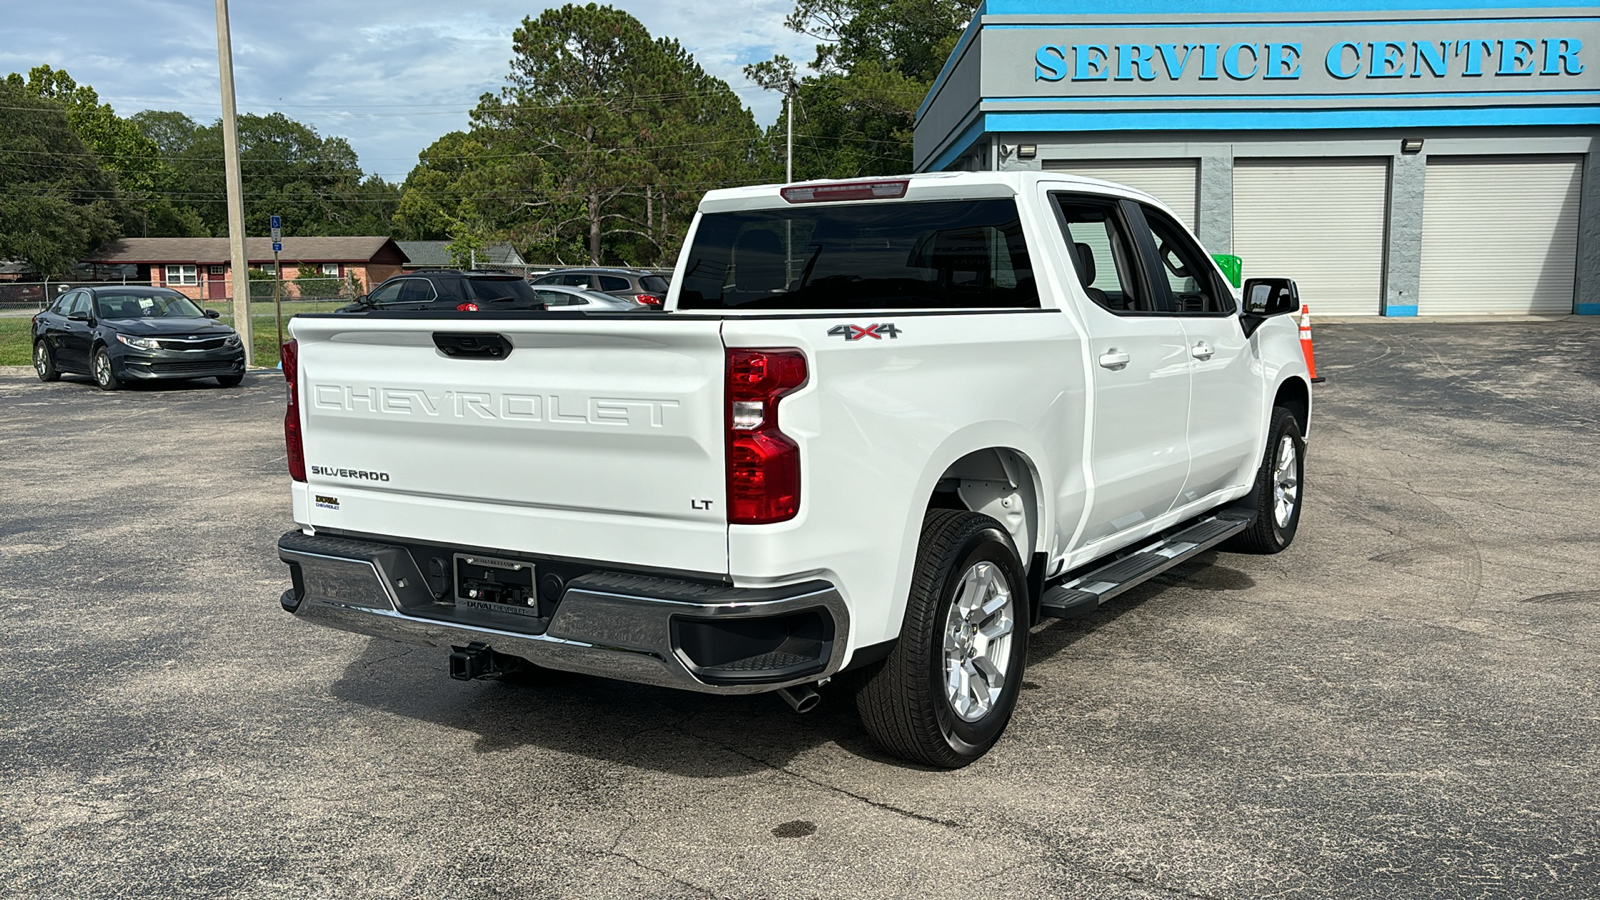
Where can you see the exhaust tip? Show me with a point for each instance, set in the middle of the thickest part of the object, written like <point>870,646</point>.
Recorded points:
<point>802,698</point>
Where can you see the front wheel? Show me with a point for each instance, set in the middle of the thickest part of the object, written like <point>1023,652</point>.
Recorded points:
<point>946,692</point>
<point>44,362</point>
<point>103,376</point>
<point>1278,490</point>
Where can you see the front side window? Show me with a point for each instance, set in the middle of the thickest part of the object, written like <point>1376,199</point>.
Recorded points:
<point>387,293</point>
<point>179,274</point>
<point>1103,254</point>
<point>77,303</point>
<point>889,255</point>
<point>575,279</point>
<point>1185,268</point>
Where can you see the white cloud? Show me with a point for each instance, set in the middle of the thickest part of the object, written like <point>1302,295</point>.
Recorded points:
<point>391,77</point>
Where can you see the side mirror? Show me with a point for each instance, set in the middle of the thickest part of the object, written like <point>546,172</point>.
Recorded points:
<point>1266,297</point>
<point>213,314</point>
<point>78,317</point>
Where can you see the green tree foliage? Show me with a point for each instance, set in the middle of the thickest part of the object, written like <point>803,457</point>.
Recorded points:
<point>875,63</point>
<point>144,176</point>
<point>56,203</point>
<point>600,144</point>
<point>314,183</point>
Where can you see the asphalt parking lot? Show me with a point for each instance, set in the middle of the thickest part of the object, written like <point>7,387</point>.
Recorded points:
<point>1404,704</point>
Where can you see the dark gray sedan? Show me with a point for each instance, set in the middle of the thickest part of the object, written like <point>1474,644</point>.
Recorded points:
<point>117,333</point>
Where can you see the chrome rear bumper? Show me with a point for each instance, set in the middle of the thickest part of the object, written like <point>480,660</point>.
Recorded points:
<point>644,629</point>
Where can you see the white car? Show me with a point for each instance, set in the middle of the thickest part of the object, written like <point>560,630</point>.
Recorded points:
<point>883,426</point>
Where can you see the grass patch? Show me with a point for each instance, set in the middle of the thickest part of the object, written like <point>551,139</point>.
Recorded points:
<point>16,341</point>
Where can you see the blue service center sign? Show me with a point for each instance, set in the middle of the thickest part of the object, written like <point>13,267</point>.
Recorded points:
<point>1537,57</point>
<point>1469,58</point>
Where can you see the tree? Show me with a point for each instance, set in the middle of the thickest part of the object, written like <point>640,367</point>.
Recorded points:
<point>601,132</point>
<point>875,63</point>
<point>56,204</point>
<point>314,183</point>
<point>143,174</point>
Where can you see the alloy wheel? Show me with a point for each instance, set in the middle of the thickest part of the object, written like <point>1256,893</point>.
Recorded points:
<point>977,641</point>
<point>1285,482</point>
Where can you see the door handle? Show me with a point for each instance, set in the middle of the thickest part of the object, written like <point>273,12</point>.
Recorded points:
<point>1114,359</point>
<point>1201,351</point>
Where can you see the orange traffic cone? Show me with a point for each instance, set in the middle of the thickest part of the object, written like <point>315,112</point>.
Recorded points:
<point>1305,343</point>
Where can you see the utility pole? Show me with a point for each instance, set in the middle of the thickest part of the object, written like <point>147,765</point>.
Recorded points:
<point>240,263</point>
<point>788,176</point>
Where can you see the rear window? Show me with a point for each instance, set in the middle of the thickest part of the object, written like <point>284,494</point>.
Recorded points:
<point>655,284</point>
<point>945,253</point>
<point>512,289</point>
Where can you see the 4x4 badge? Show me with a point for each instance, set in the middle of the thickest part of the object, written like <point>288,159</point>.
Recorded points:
<point>857,332</point>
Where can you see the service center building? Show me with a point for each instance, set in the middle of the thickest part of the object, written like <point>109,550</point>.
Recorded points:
<point>1397,163</point>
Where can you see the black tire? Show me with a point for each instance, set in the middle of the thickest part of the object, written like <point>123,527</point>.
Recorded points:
<point>229,380</point>
<point>1267,534</point>
<point>903,700</point>
<point>44,362</point>
<point>100,366</point>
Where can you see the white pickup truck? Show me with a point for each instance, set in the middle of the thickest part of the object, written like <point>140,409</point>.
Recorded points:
<point>882,426</point>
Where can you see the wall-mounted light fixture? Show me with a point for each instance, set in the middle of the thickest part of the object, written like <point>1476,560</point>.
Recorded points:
<point>1411,145</point>
<point>1027,151</point>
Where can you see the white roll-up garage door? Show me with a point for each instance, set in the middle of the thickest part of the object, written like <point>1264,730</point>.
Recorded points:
<point>1175,182</point>
<point>1500,235</point>
<point>1318,221</point>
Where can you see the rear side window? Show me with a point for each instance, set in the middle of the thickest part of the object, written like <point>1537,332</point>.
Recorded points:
<point>556,298</point>
<point>610,283</point>
<point>655,284</point>
<point>917,255</point>
<point>502,290</point>
<point>1103,254</point>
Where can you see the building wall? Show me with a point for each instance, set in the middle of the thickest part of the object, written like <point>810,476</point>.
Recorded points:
<point>1123,80</point>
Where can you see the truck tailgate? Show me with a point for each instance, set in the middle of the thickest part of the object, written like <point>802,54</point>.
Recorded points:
<point>592,438</point>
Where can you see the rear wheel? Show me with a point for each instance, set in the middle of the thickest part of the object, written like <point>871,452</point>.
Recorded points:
<point>44,362</point>
<point>946,692</point>
<point>1277,491</point>
<point>103,375</point>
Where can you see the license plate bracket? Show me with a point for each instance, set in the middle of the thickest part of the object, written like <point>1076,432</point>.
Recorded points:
<point>489,584</point>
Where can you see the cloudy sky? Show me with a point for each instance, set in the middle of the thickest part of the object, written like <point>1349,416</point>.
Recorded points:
<point>391,77</point>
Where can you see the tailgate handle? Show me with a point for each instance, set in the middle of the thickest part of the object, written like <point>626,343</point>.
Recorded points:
<point>472,346</point>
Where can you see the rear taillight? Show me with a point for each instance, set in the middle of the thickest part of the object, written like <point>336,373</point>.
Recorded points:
<point>295,448</point>
<point>648,299</point>
<point>763,463</point>
<point>468,306</point>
